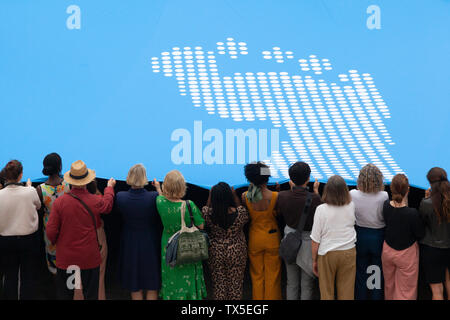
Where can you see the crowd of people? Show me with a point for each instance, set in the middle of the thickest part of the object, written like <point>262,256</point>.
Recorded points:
<point>356,244</point>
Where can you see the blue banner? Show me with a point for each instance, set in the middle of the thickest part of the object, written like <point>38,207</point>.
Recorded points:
<point>207,86</point>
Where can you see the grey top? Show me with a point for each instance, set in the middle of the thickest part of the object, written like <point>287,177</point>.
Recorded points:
<point>437,234</point>
<point>369,208</point>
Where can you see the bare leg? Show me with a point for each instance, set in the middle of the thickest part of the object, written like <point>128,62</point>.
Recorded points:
<point>152,295</point>
<point>137,295</point>
<point>437,290</point>
<point>447,283</point>
<point>104,255</point>
<point>78,294</point>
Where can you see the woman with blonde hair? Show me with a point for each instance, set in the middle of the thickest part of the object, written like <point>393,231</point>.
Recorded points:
<point>139,262</point>
<point>181,282</point>
<point>369,198</point>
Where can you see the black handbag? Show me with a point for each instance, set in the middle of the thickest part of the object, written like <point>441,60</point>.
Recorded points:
<point>291,243</point>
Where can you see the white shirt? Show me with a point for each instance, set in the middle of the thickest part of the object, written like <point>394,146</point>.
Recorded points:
<point>334,227</point>
<point>18,211</point>
<point>369,208</point>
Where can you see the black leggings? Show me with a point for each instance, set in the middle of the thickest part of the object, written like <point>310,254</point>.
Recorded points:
<point>19,253</point>
<point>89,281</point>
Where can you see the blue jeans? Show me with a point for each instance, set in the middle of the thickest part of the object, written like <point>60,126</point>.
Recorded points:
<point>369,246</point>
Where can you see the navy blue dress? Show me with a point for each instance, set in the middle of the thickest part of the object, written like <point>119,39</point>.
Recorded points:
<point>140,244</point>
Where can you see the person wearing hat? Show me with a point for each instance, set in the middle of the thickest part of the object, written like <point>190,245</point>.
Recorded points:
<point>72,227</point>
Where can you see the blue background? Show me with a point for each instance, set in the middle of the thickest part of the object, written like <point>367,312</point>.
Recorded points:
<point>91,94</point>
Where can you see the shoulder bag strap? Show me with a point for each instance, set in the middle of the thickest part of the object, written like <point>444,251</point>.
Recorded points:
<point>190,213</point>
<point>90,212</point>
<point>302,222</point>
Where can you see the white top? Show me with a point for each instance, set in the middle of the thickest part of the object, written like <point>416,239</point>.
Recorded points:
<point>334,227</point>
<point>18,211</point>
<point>369,208</point>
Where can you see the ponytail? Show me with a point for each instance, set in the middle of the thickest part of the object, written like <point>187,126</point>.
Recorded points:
<point>399,187</point>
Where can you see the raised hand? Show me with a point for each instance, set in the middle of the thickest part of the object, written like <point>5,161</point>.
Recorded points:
<point>316,186</point>
<point>237,201</point>
<point>111,183</point>
<point>28,184</point>
<point>277,187</point>
<point>157,186</point>
<point>208,203</point>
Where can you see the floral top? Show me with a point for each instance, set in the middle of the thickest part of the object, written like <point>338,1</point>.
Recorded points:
<point>49,195</point>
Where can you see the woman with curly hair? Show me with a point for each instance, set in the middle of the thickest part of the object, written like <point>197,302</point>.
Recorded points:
<point>369,198</point>
<point>435,246</point>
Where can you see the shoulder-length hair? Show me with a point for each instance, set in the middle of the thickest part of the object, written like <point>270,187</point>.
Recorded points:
<point>370,179</point>
<point>137,176</point>
<point>336,192</point>
<point>174,185</point>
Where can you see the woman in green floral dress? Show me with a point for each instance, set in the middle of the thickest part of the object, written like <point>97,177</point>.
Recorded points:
<point>183,282</point>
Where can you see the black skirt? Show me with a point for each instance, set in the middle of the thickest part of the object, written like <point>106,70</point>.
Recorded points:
<point>434,262</point>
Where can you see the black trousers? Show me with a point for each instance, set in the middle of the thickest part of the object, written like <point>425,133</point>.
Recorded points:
<point>19,258</point>
<point>89,282</point>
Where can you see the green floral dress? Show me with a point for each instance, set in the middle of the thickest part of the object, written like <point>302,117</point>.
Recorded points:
<point>183,282</point>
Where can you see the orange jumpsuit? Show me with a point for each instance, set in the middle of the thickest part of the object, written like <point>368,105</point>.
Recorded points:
<point>265,263</point>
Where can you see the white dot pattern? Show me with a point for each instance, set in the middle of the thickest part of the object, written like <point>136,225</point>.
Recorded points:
<point>336,127</point>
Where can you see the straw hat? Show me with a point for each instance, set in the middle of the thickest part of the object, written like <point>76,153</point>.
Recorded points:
<point>79,174</point>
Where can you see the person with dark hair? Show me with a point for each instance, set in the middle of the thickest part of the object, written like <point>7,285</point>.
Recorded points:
<point>264,236</point>
<point>435,246</point>
<point>400,257</point>
<point>290,206</point>
<point>19,240</point>
<point>48,192</point>
<point>72,227</point>
<point>225,219</point>
<point>333,242</point>
<point>368,199</point>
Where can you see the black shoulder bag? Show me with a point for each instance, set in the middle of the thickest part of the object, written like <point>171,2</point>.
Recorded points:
<point>291,243</point>
<point>91,214</point>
